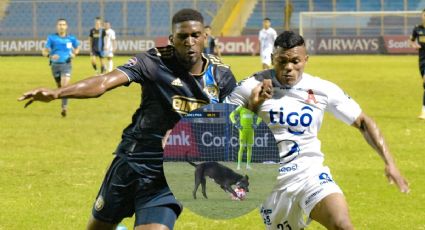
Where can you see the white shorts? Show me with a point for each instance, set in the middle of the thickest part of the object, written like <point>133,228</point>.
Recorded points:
<point>266,57</point>
<point>108,53</point>
<point>290,207</point>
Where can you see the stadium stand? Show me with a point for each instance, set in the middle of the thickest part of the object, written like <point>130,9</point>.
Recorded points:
<point>35,19</point>
<point>128,18</point>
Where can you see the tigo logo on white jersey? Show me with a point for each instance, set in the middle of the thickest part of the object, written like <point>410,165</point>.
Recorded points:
<point>292,119</point>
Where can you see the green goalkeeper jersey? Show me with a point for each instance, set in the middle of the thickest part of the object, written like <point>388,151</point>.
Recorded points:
<point>246,117</point>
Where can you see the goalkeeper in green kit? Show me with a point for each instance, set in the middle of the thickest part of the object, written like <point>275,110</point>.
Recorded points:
<point>246,128</point>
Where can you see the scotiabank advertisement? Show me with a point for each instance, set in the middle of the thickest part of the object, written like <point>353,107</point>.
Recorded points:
<point>398,44</point>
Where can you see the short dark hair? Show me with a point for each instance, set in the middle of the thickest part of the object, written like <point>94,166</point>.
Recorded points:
<point>187,15</point>
<point>98,18</point>
<point>267,19</point>
<point>207,27</point>
<point>61,19</point>
<point>288,40</point>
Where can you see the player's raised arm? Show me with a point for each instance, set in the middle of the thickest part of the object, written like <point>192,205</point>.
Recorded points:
<point>87,88</point>
<point>259,94</point>
<point>374,137</point>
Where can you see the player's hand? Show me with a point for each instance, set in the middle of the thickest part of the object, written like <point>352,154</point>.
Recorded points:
<point>416,46</point>
<point>55,57</point>
<point>394,176</point>
<point>40,94</point>
<point>260,93</point>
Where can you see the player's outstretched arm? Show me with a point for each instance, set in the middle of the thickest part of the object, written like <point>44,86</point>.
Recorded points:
<point>414,44</point>
<point>87,88</point>
<point>374,137</point>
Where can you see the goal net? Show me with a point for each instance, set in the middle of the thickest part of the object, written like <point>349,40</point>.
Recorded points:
<point>360,23</point>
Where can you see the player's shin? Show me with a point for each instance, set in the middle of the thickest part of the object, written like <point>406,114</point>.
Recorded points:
<point>248,156</point>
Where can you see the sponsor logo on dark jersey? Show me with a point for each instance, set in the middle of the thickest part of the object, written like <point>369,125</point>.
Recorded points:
<point>184,105</point>
<point>131,62</point>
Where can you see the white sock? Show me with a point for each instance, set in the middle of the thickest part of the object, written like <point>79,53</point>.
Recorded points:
<point>110,65</point>
<point>423,108</point>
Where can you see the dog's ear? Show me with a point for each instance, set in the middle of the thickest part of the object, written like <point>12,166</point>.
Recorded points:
<point>246,176</point>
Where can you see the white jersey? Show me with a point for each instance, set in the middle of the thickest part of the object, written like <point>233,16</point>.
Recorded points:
<point>295,114</point>
<point>109,39</point>
<point>267,38</point>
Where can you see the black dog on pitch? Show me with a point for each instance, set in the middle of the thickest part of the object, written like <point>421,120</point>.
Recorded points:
<point>222,175</point>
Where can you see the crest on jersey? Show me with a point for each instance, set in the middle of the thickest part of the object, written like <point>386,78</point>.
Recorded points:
<point>131,62</point>
<point>212,92</point>
<point>311,99</point>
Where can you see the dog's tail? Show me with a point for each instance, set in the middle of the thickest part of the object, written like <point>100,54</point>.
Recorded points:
<point>190,162</point>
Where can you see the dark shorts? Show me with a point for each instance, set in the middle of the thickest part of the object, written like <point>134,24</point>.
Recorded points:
<point>125,192</point>
<point>61,70</point>
<point>97,53</point>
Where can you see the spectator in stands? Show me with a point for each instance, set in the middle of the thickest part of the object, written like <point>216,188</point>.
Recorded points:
<point>60,48</point>
<point>211,43</point>
<point>417,41</point>
<point>267,35</point>
<point>110,46</point>
<point>96,39</point>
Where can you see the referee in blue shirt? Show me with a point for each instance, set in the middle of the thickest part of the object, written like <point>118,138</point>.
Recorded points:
<point>61,48</point>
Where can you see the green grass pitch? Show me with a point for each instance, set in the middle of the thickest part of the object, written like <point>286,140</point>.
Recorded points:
<point>51,168</point>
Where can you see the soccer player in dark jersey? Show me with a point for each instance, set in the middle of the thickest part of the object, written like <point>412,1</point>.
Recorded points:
<point>96,39</point>
<point>417,41</point>
<point>211,43</point>
<point>175,80</point>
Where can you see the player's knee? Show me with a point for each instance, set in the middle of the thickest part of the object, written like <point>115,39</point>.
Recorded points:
<point>342,223</point>
<point>95,224</point>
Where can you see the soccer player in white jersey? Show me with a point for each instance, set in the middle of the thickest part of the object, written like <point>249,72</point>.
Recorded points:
<point>266,36</point>
<point>110,46</point>
<point>292,104</point>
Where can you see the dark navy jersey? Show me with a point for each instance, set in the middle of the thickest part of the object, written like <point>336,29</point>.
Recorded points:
<point>168,93</point>
<point>210,45</point>
<point>97,37</point>
<point>418,34</point>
